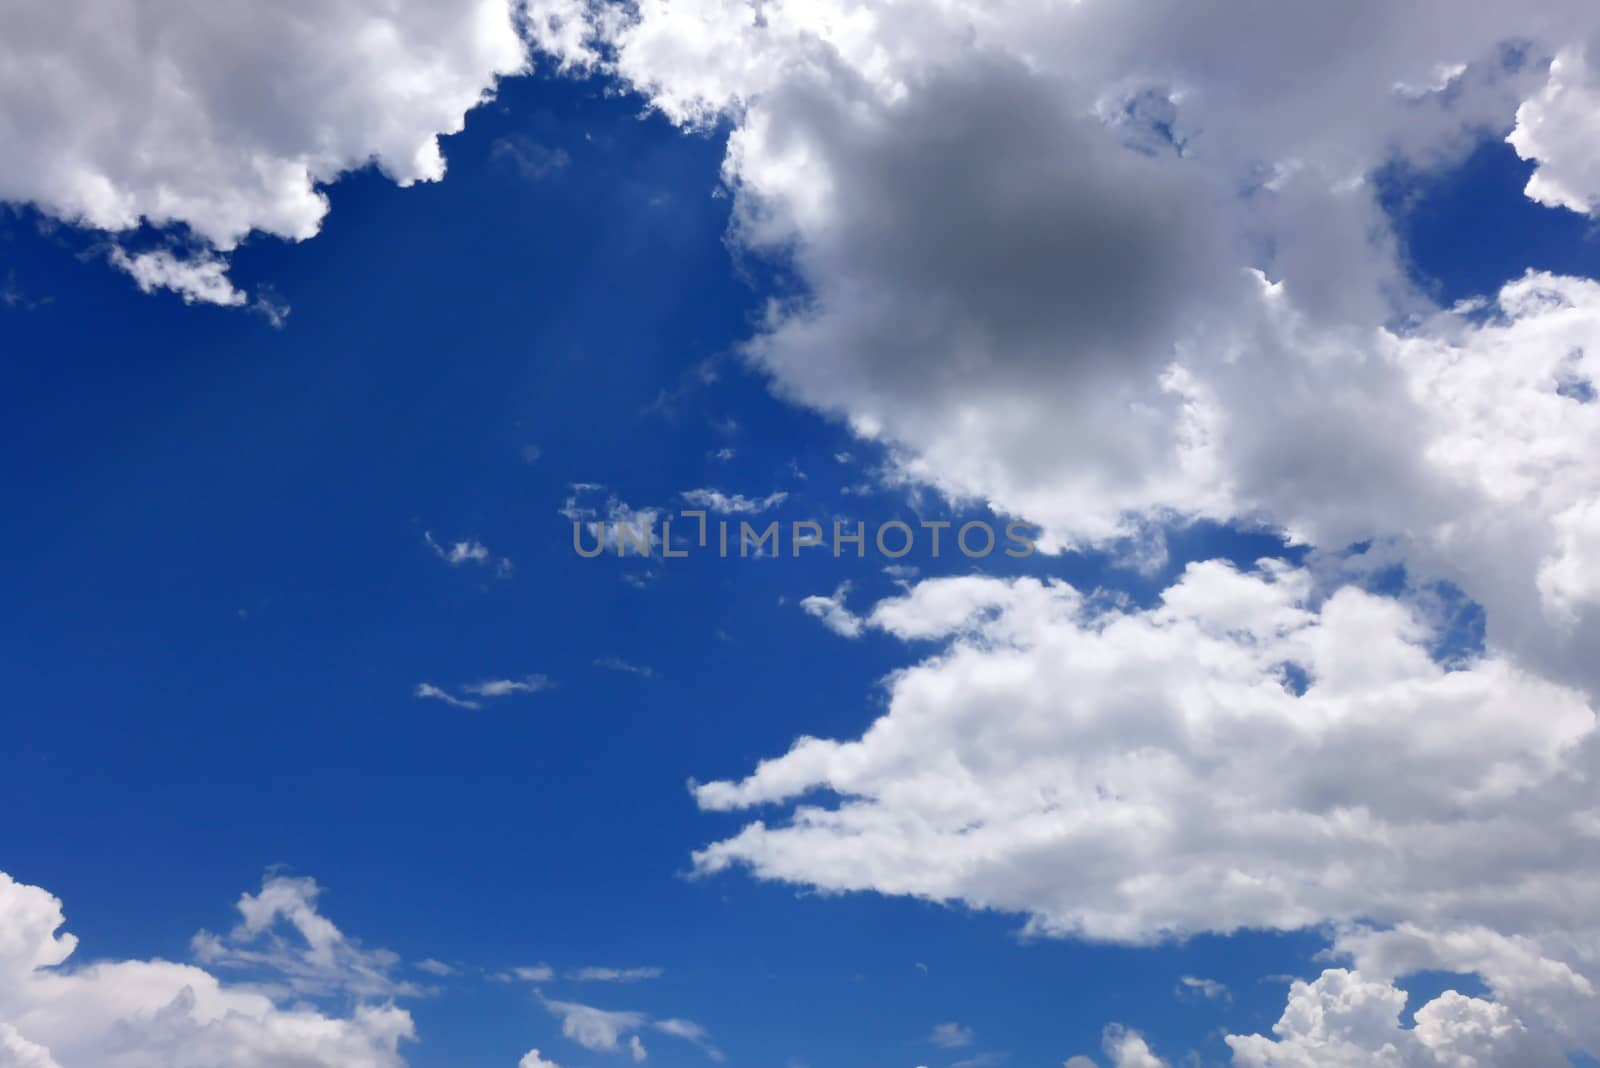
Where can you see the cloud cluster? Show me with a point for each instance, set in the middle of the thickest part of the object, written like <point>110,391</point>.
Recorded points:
<point>1106,265</point>
<point>226,119</point>
<point>1253,751</point>
<point>1100,265</point>
<point>1103,265</point>
<point>158,1014</point>
<point>617,1031</point>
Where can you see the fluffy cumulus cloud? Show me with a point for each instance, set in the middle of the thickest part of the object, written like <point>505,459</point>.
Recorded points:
<point>157,1014</point>
<point>1128,1049</point>
<point>227,118</point>
<point>1246,753</point>
<point>1255,750</point>
<point>1100,264</point>
<point>1343,1020</point>
<point>532,1059</point>
<point>1559,128</point>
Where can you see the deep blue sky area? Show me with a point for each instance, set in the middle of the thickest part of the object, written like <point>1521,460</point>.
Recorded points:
<point>221,599</point>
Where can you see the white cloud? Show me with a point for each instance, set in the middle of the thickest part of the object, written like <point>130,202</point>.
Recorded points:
<point>435,967</point>
<point>536,973</point>
<point>612,1031</point>
<point>1209,989</point>
<point>532,1059</point>
<point>1342,1020</point>
<point>317,961</point>
<point>470,551</point>
<point>1251,751</point>
<point>616,663</point>
<point>595,1029</point>
<point>615,975</point>
<point>157,1014</point>
<point>528,159</point>
<point>507,687</point>
<point>488,689</point>
<point>429,691</point>
<point>614,525</point>
<point>1057,254</point>
<point>1128,1049</point>
<point>951,1036</point>
<point>1559,129</point>
<point>689,1031</point>
<point>228,120</point>
<point>201,279</point>
<point>737,504</point>
<point>979,1060</point>
<point>1106,265</point>
<point>18,1052</point>
<point>833,612</point>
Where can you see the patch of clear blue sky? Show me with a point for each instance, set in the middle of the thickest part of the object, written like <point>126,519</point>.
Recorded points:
<point>219,600</point>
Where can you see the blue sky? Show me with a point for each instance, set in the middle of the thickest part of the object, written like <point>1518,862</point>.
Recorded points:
<point>230,533</point>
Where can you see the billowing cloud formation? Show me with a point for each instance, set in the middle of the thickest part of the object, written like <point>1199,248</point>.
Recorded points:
<point>532,1059</point>
<point>1251,752</point>
<point>1559,129</point>
<point>156,1014</point>
<point>1105,264</point>
<point>1128,1049</point>
<point>1056,747</point>
<point>226,118</point>
<point>1341,1019</point>
<point>1344,1020</point>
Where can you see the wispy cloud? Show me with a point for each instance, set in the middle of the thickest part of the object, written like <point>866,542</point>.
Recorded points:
<point>736,504</point>
<point>487,689</point>
<point>526,158</point>
<point>616,663</point>
<point>285,943</point>
<point>601,1030</point>
<point>615,975</point>
<point>431,692</point>
<point>506,687</point>
<point>981,1060</point>
<point>470,551</point>
<point>1209,989</point>
<point>951,1036</point>
<point>833,613</point>
<point>609,522</point>
<point>612,1031</point>
<point>689,1031</point>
